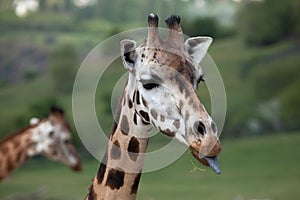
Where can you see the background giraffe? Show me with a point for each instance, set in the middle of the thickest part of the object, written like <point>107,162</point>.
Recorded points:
<point>50,137</point>
<point>160,93</point>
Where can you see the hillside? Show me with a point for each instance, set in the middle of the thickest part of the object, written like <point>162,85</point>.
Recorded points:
<point>241,68</point>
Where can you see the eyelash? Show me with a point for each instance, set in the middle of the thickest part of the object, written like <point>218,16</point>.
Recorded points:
<point>150,86</point>
<point>200,79</point>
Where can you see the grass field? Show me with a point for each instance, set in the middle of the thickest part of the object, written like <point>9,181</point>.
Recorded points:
<point>258,168</point>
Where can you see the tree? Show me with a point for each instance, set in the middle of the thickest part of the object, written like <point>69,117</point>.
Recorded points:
<point>63,64</point>
<point>290,99</point>
<point>266,22</point>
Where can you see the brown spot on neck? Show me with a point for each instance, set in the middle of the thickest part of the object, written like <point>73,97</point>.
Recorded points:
<point>115,152</point>
<point>133,148</point>
<point>102,169</point>
<point>135,185</point>
<point>25,130</point>
<point>14,151</point>
<point>9,165</point>
<point>124,125</point>
<point>3,149</point>
<point>115,179</point>
<point>91,194</point>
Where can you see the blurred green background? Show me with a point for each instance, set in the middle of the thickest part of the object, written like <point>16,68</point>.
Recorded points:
<point>256,48</point>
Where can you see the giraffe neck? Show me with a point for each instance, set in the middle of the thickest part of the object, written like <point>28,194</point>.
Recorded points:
<point>15,150</point>
<point>119,174</point>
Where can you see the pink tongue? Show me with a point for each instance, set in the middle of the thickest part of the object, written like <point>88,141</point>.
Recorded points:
<point>214,164</point>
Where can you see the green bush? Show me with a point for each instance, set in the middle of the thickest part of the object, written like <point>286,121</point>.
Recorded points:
<point>63,66</point>
<point>42,108</point>
<point>266,22</point>
<point>50,22</point>
<point>31,73</point>
<point>206,26</point>
<point>201,26</point>
<point>290,106</point>
<point>279,79</point>
<point>295,17</point>
<point>9,21</point>
<point>272,78</point>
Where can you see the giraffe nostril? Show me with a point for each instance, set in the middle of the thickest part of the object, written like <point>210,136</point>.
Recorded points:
<point>199,128</point>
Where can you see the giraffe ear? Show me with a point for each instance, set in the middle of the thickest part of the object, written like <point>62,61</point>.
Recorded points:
<point>34,121</point>
<point>56,110</point>
<point>128,53</point>
<point>197,47</point>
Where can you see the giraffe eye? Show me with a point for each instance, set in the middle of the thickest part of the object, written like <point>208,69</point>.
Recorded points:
<point>51,134</point>
<point>150,86</point>
<point>67,141</point>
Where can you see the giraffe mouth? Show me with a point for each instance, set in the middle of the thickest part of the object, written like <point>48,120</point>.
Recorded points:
<point>208,160</point>
<point>77,167</point>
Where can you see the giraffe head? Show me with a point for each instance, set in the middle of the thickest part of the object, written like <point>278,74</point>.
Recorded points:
<point>52,137</point>
<point>163,80</point>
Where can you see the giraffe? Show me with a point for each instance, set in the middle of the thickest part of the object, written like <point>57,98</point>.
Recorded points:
<point>161,92</point>
<point>50,137</point>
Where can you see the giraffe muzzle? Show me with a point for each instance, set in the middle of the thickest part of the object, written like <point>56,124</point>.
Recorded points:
<point>77,167</point>
<point>207,154</point>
